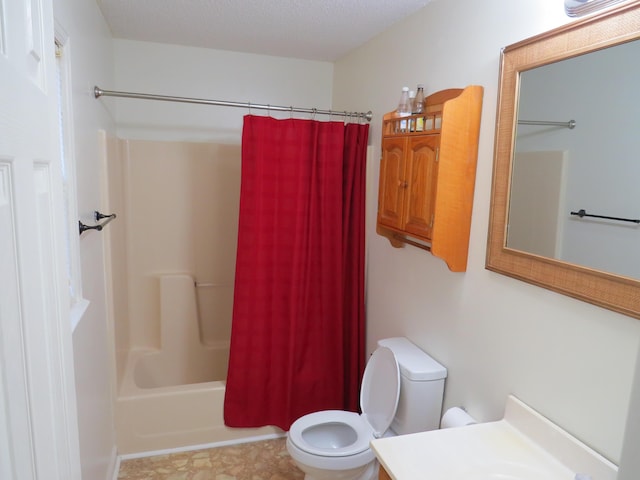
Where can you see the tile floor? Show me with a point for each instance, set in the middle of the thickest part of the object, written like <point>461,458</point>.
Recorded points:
<point>266,460</point>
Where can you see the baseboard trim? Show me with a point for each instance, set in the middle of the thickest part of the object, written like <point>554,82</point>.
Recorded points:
<point>188,448</point>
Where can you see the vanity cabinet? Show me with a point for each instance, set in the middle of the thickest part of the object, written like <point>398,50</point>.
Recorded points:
<point>383,475</point>
<point>427,175</point>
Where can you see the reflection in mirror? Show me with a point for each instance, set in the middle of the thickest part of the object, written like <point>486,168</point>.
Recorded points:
<point>593,167</point>
<point>576,8</point>
<point>587,72</point>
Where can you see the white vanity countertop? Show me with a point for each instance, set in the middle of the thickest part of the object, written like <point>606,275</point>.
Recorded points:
<point>522,446</point>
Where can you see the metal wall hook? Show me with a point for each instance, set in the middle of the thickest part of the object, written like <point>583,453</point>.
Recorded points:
<point>97,216</point>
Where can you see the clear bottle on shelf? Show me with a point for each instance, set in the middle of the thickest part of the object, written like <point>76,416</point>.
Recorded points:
<point>418,108</point>
<point>412,122</point>
<point>404,110</point>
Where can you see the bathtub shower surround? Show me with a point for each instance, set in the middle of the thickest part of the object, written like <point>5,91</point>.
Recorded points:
<point>173,397</point>
<point>172,269</point>
<point>183,358</point>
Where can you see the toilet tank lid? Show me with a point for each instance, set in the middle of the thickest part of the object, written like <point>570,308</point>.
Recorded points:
<point>414,363</point>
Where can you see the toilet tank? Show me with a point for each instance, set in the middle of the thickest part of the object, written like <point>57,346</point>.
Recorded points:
<point>421,387</point>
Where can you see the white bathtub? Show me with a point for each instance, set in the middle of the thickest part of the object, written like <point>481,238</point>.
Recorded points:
<point>172,416</point>
<point>173,397</point>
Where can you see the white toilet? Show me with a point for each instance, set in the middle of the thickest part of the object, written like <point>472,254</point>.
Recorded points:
<point>401,393</point>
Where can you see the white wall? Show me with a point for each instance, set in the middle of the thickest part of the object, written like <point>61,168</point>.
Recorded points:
<point>90,51</point>
<point>571,361</point>
<point>210,74</point>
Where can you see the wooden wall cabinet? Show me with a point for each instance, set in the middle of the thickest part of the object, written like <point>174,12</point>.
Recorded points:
<point>427,175</point>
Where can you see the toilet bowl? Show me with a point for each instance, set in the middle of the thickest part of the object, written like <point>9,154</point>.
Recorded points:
<point>401,392</point>
<point>334,443</point>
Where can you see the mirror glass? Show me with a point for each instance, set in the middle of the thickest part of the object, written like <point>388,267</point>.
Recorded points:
<point>576,161</point>
<point>567,153</point>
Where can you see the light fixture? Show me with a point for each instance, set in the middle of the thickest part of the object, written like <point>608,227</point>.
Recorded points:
<point>577,8</point>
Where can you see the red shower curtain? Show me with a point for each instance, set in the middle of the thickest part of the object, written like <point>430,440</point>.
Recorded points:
<point>297,341</point>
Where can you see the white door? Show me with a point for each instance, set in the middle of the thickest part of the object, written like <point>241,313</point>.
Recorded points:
<point>38,424</point>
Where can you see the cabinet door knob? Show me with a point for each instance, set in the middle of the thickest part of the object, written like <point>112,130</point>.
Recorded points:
<point>404,184</point>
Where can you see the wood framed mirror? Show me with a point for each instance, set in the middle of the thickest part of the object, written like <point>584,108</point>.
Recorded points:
<point>562,266</point>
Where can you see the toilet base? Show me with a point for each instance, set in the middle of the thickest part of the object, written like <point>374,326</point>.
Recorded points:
<point>366,472</point>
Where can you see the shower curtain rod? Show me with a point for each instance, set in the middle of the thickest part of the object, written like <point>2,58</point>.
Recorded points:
<point>98,92</point>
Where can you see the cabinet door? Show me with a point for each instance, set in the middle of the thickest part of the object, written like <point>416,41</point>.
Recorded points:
<point>393,183</point>
<point>421,176</point>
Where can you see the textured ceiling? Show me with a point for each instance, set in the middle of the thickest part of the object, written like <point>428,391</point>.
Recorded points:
<point>309,29</point>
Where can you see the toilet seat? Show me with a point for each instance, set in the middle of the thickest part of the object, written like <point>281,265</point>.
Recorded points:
<point>302,433</point>
<point>380,390</point>
<point>337,433</point>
